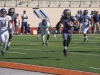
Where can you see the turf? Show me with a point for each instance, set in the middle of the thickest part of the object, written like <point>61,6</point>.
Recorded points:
<point>82,56</point>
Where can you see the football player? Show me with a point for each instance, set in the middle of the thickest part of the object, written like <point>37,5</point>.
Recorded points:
<point>11,13</point>
<point>68,22</point>
<point>86,23</point>
<point>5,21</point>
<point>44,28</point>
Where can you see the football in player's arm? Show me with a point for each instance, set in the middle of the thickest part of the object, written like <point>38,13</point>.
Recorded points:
<point>68,22</point>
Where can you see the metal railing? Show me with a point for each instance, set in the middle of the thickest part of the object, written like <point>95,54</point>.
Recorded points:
<point>50,3</point>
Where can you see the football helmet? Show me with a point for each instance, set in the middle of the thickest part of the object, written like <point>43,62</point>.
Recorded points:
<point>44,22</point>
<point>80,11</point>
<point>11,11</point>
<point>72,18</point>
<point>92,12</point>
<point>85,12</point>
<point>3,12</point>
<point>67,13</point>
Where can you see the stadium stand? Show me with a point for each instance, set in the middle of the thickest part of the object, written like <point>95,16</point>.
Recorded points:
<point>51,3</point>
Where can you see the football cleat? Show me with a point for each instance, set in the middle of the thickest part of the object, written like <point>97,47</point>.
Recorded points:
<point>46,44</point>
<point>65,53</point>
<point>85,40</point>
<point>43,43</point>
<point>2,52</point>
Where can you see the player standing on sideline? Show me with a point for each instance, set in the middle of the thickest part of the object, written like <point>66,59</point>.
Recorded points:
<point>11,13</point>
<point>68,22</point>
<point>78,16</point>
<point>44,28</point>
<point>5,21</point>
<point>86,22</point>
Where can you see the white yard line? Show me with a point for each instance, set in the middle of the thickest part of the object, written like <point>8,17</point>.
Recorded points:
<point>24,49</point>
<point>94,68</point>
<point>68,52</point>
<point>15,52</point>
<point>83,54</point>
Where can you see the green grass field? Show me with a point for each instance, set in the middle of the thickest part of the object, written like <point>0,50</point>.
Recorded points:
<point>82,56</point>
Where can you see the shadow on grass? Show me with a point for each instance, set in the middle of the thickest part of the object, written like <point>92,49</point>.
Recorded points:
<point>25,58</point>
<point>93,51</point>
<point>26,45</point>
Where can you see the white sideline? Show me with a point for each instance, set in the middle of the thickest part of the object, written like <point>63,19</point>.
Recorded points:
<point>24,49</point>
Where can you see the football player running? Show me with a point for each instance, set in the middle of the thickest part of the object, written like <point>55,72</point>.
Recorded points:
<point>44,29</point>
<point>86,23</point>
<point>68,22</point>
<point>5,21</point>
<point>11,12</point>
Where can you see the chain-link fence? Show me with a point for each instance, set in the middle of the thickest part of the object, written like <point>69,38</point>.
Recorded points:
<point>50,3</point>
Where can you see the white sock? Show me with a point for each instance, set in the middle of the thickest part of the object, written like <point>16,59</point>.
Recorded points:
<point>65,47</point>
<point>38,36</point>
<point>9,43</point>
<point>43,40</point>
<point>4,46</point>
<point>86,37</point>
<point>55,35</point>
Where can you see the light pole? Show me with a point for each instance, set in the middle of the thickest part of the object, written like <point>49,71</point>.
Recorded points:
<point>59,3</point>
<point>16,3</point>
<point>27,3</point>
<point>5,3</point>
<point>38,4</point>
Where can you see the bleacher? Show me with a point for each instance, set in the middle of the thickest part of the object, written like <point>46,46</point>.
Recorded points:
<point>50,3</point>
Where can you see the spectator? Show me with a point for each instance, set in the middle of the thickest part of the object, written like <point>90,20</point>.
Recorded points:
<point>24,17</point>
<point>78,16</point>
<point>96,22</point>
<point>17,24</point>
<point>28,28</point>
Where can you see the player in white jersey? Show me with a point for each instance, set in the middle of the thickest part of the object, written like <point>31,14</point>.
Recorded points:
<point>4,26</point>
<point>86,22</point>
<point>44,28</point>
